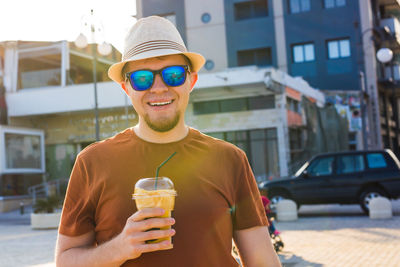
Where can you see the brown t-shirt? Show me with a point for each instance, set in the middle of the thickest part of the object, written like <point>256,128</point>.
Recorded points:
<point>217,195</point>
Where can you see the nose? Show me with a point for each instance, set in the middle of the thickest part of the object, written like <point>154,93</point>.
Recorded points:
<point>158,85</point>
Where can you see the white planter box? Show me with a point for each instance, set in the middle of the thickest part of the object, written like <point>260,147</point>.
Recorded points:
<point>45,220</point>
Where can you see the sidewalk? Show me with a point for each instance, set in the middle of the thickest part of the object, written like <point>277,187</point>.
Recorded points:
<point>324,235</point>
<point>334,235</point>
<point>22,246</point>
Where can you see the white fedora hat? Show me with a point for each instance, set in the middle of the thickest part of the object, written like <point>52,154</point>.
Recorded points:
<point>149,37</point>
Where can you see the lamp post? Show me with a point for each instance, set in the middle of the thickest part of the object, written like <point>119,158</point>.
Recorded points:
<point>95,26</point>
<point>384,56</point>
<point>370,37</point>
<point>364,98</point>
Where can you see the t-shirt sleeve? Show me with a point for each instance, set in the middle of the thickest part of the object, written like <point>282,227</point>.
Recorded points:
<point>77,216</point>
<point>249,211</point>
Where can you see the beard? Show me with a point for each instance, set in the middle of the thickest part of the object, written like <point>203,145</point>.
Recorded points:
<point>162,125</point>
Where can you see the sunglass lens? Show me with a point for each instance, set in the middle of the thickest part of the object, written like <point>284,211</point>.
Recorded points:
<point>142,80</point>
<point>174,75</point>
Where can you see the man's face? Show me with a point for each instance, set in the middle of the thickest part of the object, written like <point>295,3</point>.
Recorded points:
<point>161,107</point>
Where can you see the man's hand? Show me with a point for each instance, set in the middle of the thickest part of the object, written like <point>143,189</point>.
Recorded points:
<point>140,228</point>
<point>129,244</point>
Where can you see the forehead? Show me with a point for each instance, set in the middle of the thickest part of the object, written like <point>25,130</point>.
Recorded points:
<point>155,63</point>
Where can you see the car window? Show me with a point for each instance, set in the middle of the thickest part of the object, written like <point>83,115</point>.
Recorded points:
<point>321,166</point>
<point>350,163</point>
<point>376,160</point>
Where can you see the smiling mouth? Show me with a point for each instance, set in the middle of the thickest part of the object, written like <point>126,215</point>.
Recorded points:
<point>160,104</point>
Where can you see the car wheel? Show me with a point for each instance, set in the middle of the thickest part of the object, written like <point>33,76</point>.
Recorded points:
<point>368,195</point>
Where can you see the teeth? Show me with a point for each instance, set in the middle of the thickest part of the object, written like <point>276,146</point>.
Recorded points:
<point>160,103</point>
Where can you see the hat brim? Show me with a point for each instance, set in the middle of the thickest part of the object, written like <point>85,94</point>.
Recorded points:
<point>115,71</point>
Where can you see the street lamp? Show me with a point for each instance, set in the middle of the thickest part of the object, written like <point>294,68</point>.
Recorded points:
<point>369,39</point>
<point>95,26</point>
<point>384,56</point>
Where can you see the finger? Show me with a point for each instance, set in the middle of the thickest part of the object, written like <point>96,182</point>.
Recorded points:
<point>154,234</point>
<point>146,213</point>
<point>154,223</point>
<point>164,245</point>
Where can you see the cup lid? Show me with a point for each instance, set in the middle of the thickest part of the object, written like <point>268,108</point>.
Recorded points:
<point>150,183</point>
<point>163,194</point>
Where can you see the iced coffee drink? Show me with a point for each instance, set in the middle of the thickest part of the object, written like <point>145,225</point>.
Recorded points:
<point>155,192</point>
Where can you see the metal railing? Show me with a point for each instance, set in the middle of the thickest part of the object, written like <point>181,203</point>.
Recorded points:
<point>46,189</point>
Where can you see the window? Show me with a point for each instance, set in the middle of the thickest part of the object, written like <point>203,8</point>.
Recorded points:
<point>293,105</point>
<point>209,65</point>
<point>81,68</point>
<point>39,67</point>
<point>261,147</point>
<point>251,9</point>
<point>303,53</point>
<point>22,151</point>
<point>376,160</point>
<point>350,164</point>
<point>297,6</point>
<point>339,48</point>
<point>206,107</point>
<point>334,3</point>
<point>233,105</point>
<point>259,57</point>
<point>296,139</point>
<point>206,17</point>
<point>321,166</point>
<point>261,102</point>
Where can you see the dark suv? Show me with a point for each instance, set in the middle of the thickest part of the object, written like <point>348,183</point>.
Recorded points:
<point>342,177</point>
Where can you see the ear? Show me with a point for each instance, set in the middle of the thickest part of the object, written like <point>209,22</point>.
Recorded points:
<point>123,85</point>
<point>193,79</point>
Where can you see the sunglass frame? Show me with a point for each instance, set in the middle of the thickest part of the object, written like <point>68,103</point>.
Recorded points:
<point>155,72</point>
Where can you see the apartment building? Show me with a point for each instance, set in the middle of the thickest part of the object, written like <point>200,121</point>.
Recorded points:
<point>233,35</point>
<point>49,94</point>
<point>244,95</point>
<point>331,44</point>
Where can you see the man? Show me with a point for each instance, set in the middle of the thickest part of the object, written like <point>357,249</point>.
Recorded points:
<point>217,196</point>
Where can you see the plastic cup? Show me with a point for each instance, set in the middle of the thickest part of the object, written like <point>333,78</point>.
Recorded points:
<point>148,194</point>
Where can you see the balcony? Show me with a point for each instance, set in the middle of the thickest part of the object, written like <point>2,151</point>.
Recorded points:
<point>58,99</point>
<point>394,25</point>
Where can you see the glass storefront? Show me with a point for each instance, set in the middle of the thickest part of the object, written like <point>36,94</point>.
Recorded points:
<point>261,147</point>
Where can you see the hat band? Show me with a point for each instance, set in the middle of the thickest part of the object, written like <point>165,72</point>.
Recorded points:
<point>153,45</point>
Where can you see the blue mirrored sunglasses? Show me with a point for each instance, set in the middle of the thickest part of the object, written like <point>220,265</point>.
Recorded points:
<point>142,80</point>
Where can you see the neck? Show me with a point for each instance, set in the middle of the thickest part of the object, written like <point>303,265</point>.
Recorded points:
<point>144,132</point>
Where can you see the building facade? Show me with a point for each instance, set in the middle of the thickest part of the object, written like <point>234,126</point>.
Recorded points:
<point>332,44</point>
<point>254,107</point>
<point>245,93</point>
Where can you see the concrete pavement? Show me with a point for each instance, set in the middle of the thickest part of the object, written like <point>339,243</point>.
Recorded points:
<point>334,235</point>
<point>324,235</point>
<point>22,246</point>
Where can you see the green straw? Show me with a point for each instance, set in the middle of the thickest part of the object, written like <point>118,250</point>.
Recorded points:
<point>158,168</point>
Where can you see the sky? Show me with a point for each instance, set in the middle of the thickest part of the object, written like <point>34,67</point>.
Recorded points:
<point>55,20</point>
